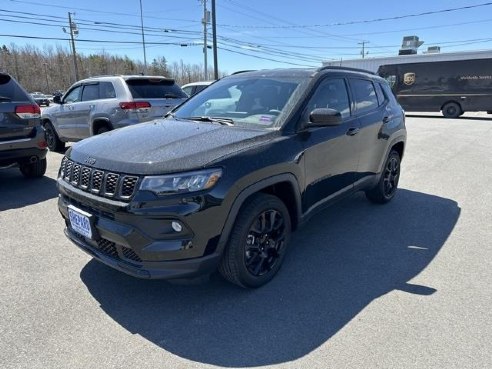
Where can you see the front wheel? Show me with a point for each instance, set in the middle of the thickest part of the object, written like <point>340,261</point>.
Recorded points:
<point>258,242</point>
<point>54,143</point>
<point>386,188</point>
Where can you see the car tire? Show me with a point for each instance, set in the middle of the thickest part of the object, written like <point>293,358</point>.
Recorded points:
<point>102,129</point>
<point>33,170</point>
<point>54,143</point>
<point>452,110</point>
<point>387,185</point>
<point>257,243</point>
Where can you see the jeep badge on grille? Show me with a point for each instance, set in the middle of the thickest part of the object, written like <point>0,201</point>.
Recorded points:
<point>90,161</point>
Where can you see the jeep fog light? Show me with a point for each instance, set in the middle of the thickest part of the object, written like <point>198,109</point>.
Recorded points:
<point>177,226</point>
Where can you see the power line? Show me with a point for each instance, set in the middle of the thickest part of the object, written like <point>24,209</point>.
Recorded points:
<point>362,21</point>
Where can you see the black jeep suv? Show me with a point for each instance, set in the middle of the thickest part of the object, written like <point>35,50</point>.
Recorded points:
<point>22,139</point>
<point>225,178</point>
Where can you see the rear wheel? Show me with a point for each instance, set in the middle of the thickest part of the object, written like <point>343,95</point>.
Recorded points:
<point>33,170</point>
<point>452,110</point>
<point>54,143</point>
<point>386,188</point>
<point>102,129</point>
<point>258,242</point>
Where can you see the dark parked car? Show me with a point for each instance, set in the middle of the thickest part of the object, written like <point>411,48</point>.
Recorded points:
<point>22,140</point>
<point>223,185</point>
<point>41,99</point>
<point>100,104</point>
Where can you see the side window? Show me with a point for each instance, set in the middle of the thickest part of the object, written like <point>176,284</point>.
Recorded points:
<point>391,79</point>
<point>389,93</point>
<point>90,92</point>
<point>331,93</point>
<point>73,96</point>
<point>106,90</point>
<point>188,90</point>
<point>364,95</point>
<point>380,94</point>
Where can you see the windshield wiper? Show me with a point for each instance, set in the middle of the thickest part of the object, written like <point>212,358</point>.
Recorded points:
<point>223,121</point>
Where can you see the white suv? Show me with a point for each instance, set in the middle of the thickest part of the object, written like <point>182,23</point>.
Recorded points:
<point>100,104</point>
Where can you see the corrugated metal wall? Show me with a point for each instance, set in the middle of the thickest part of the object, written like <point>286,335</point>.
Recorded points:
<point>372,64</point>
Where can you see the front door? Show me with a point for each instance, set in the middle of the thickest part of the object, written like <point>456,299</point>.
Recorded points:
<point>331,153</point>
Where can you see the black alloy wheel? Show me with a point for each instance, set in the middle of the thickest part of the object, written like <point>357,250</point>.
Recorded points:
<point>258,242</point>
<point>391,176</point>
<point>264,243</point>
<point>386,188</point>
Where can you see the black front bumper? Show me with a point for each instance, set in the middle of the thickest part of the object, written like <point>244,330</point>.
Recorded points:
<point>142,243</point>
<point>113,256</point>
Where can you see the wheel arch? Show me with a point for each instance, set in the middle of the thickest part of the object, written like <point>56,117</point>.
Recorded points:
<point>98,123</point>
<point>284,186</point>
<point>451,101</point>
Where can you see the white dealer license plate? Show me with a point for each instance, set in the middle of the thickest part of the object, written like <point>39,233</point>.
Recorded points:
<point>80,221</point>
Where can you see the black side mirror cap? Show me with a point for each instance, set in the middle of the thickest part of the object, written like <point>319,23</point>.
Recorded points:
<point>57,99</point>
<point>321,117</point>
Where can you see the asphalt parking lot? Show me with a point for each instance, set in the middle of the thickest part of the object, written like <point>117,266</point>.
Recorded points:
<point>405,285</point>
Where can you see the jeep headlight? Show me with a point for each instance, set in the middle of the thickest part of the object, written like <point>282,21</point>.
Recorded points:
<point>182,182</point>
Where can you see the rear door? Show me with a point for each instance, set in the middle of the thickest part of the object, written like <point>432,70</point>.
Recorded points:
<point>373,113</point>
<point>82,110</point>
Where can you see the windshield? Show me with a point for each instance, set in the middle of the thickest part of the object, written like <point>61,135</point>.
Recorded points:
<point>253,101</point>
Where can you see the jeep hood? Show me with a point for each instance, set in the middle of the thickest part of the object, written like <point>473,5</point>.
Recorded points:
<point>165,146</point>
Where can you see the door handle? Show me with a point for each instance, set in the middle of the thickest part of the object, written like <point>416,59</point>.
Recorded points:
<point>352,131</point>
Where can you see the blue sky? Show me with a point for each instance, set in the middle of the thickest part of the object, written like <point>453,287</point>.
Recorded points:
<point>251,34</point>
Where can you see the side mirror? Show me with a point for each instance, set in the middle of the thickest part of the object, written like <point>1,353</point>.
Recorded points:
<point>57,99</point>
<point>321,117</point>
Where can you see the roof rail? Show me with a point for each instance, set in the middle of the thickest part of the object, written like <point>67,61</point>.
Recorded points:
<point>244,71</point>
<point>346,68</point>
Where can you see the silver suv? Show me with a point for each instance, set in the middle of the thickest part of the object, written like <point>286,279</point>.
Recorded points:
<point>100,104</point>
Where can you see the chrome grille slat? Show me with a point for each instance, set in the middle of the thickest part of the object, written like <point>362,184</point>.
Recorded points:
<point>98,182</point>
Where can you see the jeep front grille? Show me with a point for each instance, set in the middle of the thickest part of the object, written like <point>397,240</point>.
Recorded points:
<point>103,183</point>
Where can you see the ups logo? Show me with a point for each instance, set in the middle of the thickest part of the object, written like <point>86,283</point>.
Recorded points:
<point>409,78</point>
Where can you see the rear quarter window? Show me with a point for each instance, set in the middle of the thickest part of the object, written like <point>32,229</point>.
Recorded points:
<point>154,89</point>
<point>10,90</point>
<point>364,95</point>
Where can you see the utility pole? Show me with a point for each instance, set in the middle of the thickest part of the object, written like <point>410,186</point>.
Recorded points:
<point>47,80</point>
<point>214,36</point>
<point>205,20</point>
<point>73,32</point>
<point>143,39</point>
<point>363,43</point>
